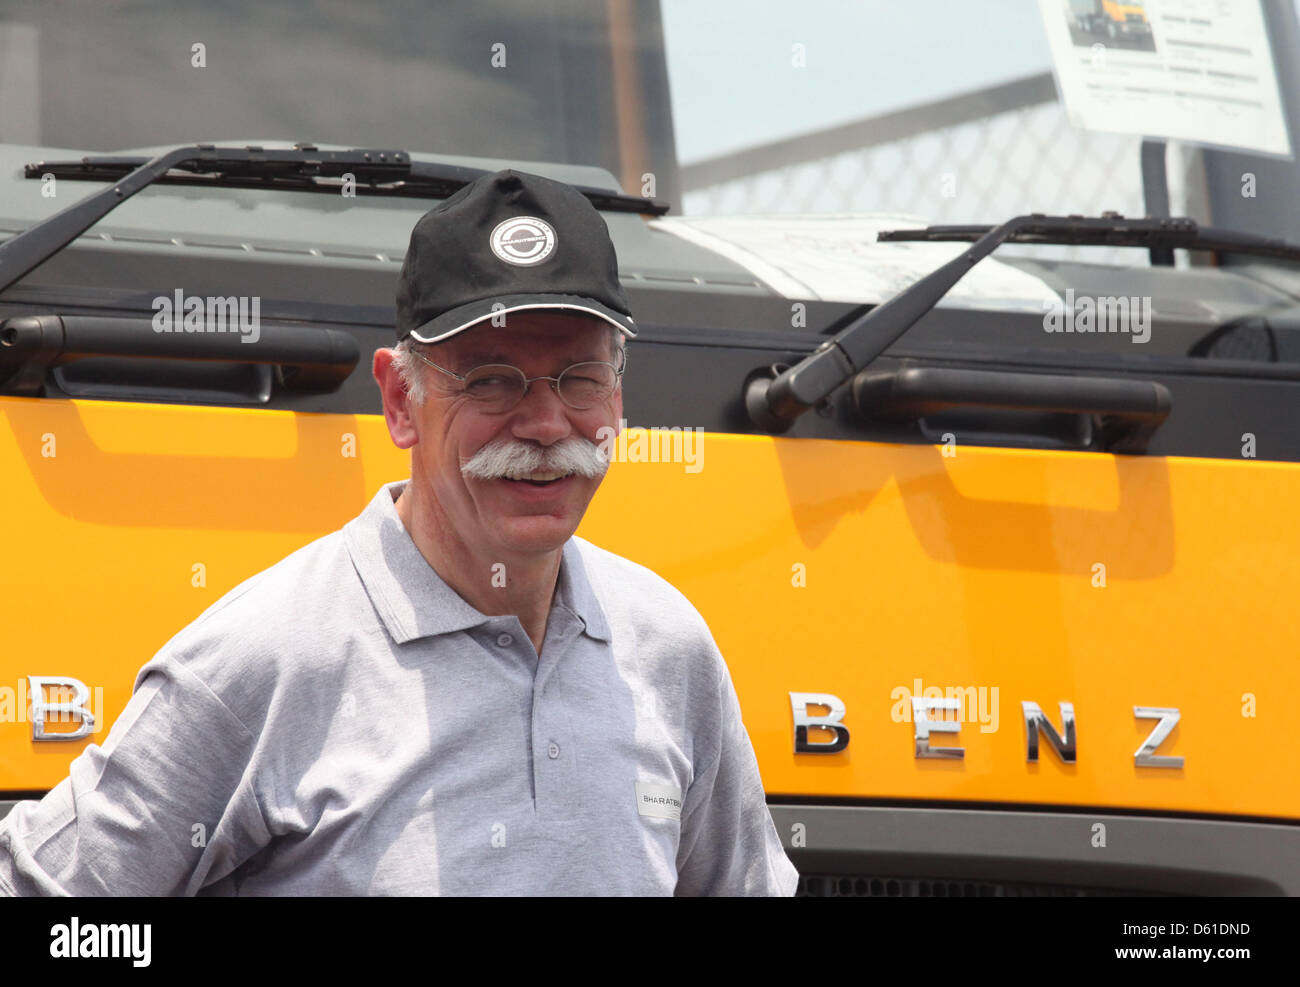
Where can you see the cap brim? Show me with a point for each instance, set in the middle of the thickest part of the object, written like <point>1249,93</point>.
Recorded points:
<point>448,324</point>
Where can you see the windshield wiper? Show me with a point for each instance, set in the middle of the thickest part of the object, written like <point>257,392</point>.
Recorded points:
<point>775,397</point>
<point>302,167</point>
<point>1113,230</point>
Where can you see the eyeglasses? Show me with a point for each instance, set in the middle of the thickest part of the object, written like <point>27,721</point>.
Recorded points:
<point>498,387</point>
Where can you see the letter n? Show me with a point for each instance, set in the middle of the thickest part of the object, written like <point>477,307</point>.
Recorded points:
<point>1036,719</point>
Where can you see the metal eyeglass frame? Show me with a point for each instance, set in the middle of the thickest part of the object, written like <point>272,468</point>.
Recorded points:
<point>528,381</point>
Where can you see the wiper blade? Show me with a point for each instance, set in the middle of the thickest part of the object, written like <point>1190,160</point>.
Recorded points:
<point>1113,230</point>
<point>302,167</point>
<point>305,168</point>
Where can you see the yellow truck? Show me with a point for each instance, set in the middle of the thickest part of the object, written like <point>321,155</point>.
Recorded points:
<point>1004,587</point>
<point>1111,18</point>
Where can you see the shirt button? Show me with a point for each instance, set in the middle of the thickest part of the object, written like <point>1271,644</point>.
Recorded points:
<point>553,750</point>
<point>505,640</point>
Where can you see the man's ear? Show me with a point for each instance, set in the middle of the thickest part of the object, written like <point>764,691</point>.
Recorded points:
<point>398,406</point>
<point>618,410</point>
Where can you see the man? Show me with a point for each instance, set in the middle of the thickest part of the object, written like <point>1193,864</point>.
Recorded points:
<point>453,694</point>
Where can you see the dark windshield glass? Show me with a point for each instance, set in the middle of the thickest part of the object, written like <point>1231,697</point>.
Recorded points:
<point>527,80</point>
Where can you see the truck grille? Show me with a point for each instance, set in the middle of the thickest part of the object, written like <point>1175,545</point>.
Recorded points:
<point>894,886</point>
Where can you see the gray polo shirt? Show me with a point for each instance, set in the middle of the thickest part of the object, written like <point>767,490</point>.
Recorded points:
<point>345,723</point>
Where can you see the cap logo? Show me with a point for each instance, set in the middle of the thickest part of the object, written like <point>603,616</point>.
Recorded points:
<point>524,240</point>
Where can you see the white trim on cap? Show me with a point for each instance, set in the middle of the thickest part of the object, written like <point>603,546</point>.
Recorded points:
<point>520,308</point>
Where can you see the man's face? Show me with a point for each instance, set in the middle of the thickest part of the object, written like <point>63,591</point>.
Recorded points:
<point>500,516</point>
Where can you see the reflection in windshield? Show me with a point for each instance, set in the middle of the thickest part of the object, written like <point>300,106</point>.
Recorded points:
<point>948,112</point>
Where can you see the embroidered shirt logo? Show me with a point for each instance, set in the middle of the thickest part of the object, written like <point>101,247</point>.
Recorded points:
<point>524,240</point>
<point>660,801</point>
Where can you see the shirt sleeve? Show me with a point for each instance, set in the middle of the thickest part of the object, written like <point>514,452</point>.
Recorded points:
<point>729,844</point>
<point>164,807</point>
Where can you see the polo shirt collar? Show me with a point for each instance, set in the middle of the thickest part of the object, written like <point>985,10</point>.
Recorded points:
<point>411,598</point>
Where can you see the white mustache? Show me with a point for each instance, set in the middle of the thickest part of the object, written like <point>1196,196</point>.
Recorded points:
<point>507,456</point>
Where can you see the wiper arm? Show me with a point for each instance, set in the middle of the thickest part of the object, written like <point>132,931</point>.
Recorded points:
<point>30,248</point>
<point>773,403</point>
<point>1113,230</point>
<point>774,400</point>
<point>303,167</point>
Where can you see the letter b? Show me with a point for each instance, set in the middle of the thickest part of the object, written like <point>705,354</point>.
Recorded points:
<point>799,703</point>
<point>62,711</point>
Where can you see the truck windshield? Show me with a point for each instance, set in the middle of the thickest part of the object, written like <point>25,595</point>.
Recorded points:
<point>939,110</point>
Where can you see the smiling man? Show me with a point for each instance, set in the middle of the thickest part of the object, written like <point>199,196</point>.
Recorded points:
<point>453,694</point>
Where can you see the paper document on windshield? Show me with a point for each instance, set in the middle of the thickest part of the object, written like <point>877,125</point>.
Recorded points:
<point>835,258</point>
<point>1192,70</point>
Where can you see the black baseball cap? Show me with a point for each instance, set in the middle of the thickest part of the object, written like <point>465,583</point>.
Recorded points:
<point>508,242</point>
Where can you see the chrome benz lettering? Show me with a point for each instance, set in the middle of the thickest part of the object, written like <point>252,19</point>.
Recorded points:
<point>799,703</point>
<point>62,711</point>
<point>1064,742</point>
<point>1036,719</point>
<point>1146,755</point>
<point>924,726</point>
